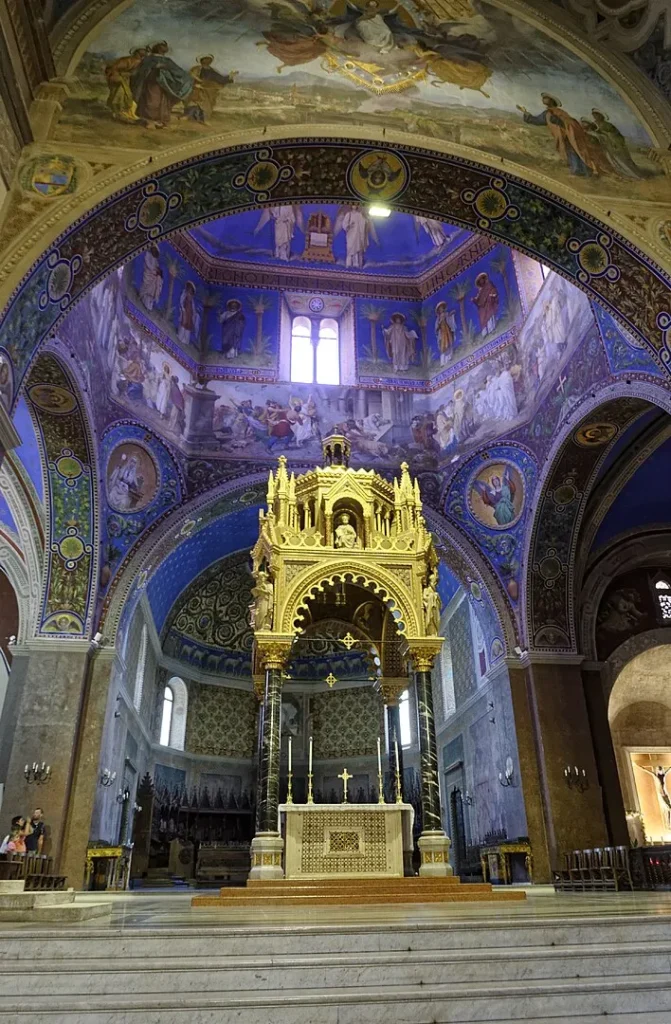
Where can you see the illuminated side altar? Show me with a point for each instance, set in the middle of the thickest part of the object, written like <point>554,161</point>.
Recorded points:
<point>347,840</point>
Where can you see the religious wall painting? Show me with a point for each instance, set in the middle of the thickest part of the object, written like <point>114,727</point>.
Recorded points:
<point>404,342</point>
<point>496,495</point>
<point>595,434</point>
<point>6,381</point>
<point>628,607</point>
<point>142,481</point>
<point>165,73</point>
<point>331,237</point>
<point>486,498</point>
<point>132,478</point>
<point>205,325</point>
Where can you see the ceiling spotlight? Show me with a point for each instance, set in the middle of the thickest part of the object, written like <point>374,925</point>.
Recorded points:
<point>379,210</point>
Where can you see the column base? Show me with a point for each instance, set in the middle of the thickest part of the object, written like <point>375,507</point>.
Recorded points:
<point>435,850</point>
<point>267,849</point>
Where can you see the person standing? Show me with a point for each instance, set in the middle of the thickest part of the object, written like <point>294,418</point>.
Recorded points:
<point>35,839</point>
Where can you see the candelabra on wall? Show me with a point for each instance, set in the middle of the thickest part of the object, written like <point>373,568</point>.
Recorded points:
<point>38,773</point>
<point>576,778</point>
<point>107,777</point>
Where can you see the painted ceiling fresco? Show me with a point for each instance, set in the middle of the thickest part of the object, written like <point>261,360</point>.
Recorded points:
<point>171,71</point>
<point>331,237</point>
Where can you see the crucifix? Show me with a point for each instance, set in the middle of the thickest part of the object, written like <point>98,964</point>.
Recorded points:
<point>345,776</point>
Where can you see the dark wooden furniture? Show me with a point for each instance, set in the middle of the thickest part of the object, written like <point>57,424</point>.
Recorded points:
<point>498,860</point>
<point>35,870</point>
<point>601,869</point>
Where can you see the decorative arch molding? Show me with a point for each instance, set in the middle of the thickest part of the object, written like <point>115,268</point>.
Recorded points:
<point>560,501</point>
<point>629,650</point>
<point>383,582</point>
<point>71,499</point>
<point>627,551</point>
<point>604,495</point>
<point>509,209</point>
<point>19,493</point>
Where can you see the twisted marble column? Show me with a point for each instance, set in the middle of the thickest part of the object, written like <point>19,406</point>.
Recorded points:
<point>268,786</point>
<point>431,820</point>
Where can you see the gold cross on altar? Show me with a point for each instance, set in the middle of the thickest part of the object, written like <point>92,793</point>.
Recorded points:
<point>349,641</point>
<point>345,776</point>
<point>331,680</point>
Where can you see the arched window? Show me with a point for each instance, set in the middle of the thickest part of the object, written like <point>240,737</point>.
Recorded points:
<point>663,590</point>
<point>139,670</point>
<point>315,350</point>
<point>404,718</point>
<point>166,716</point>
<point>173,707</point>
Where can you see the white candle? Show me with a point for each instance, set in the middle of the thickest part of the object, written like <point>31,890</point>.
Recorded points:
<point>397,761</point>
<point>310,757</point>
<point>379,758</point>
<point>290,753</point>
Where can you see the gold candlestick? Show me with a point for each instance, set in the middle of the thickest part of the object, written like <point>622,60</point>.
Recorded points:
<point>290,791</point>
<point>310,798</point>
<point>380,787</point>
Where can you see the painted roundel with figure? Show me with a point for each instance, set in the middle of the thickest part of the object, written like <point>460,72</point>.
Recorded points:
<point>133,478</point>
<point>496,495</point>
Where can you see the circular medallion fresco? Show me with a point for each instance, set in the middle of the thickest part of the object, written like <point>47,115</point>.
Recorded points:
<point>51,398</point>
<point>595,435</point>
<point>133,478</point>
<point>496,495</point>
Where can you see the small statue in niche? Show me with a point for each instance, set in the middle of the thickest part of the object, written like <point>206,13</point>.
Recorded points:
<point>261,609</point>
<point>431,601</point>
<point>345,535</point>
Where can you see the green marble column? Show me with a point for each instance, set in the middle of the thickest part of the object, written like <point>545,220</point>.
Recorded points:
<point>428,755</point>
<point>268,787</point>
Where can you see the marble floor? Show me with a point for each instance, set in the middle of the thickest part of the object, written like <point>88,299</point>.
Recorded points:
<point>161,909</point>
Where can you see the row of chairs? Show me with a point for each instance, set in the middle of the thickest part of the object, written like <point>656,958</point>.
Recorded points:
<point>600,869</point>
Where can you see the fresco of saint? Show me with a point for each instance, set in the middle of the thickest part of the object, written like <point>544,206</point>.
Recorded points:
<point>582,156</point>
<point>401,342</point>
<point>498,494</point>
<point>232,321</point>
<point>446,329</point>
<point>486,299</point>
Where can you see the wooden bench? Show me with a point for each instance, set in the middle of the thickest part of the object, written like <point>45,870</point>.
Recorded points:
<point>35,870</point>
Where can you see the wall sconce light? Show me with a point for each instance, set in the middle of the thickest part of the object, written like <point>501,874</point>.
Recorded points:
<point>124,796</point>
<point>468,799</point>
<point>506,776</point>
<point>107,777</point>
<point>38,773</point>
<point>576,778</point>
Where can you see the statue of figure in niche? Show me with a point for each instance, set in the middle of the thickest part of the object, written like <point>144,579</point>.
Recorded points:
<point>261,609</point>
<point>431,601</point>
<point>345,535</point>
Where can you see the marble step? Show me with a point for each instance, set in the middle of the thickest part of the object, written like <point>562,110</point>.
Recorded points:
<point>268,940</point>
<point>163,975</point>
<point>428,1004</point>
<point>30,900</point>
<point>343,894</point>
<point>364,883</point>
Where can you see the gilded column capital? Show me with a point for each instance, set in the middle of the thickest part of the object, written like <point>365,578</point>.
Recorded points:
<point>392,688</point>
<point>259,685</point>
<point>422,651</point>
<point>272,650</point>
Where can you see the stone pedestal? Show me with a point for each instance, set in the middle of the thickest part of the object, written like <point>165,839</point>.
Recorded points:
<point>199,418</point>
<point>11,886</point>
<point>267,849</point>
<point>434,848</point>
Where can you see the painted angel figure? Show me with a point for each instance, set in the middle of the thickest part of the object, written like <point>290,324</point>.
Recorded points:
<point>261,609</point>
<point>499,493</point>
<point>659,774</point>
<point>285,220</point>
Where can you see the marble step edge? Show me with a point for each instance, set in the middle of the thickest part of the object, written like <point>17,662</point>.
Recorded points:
<point>392,958</point>
<point>501,929</point>
<point>357,899</point>
<point>48,1004</point>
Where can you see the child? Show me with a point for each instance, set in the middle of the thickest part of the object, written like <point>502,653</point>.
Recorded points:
<point>15,842</point>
